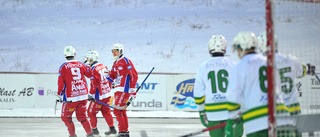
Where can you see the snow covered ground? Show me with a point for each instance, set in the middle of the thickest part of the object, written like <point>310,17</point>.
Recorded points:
<point>170,35</point>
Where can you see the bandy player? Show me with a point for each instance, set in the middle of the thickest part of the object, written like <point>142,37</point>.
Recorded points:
<point>100,90</point>
<point>73,91</point>
<point>124,76</point>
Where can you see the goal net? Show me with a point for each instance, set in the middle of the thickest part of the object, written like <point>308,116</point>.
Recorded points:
<point>295,27</point>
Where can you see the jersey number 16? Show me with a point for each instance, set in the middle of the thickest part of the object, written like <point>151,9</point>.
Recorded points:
<point>221,79</point>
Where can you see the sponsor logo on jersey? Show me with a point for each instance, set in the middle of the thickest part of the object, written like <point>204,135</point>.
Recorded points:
<point>77,87</point>
<point>184,95</point>
<point>70,109</point>
<point>69,65</point>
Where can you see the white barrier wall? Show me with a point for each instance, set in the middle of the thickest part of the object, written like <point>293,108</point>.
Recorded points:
<point>159,92</point>
<point>152,94</point>
<point>28,90</point>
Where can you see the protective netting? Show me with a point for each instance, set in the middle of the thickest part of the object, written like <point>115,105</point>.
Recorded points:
<point>297,29</point>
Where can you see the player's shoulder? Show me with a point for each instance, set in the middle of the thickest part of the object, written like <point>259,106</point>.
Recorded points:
<point>292,57</point>
<point>100,66</point>
<point>126,60</point>
<point>217,61</point>
<point>288,57</point>
<point>252,56</point>
<point>252,59</point>
<point>229,60</point>
<point>62,65</point>
<point>72,62</point>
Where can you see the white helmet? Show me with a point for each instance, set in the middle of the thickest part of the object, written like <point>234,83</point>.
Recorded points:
<point>92,56</point>
<point>217,44</point>
<point>69,51</point>
<point>245,41</point>
<point>262,38</point>
<point>118,47</point>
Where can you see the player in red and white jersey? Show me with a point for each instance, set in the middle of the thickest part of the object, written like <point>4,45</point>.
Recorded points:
<point>73,91</point>
<point>100,90</point>
<point>125,77</point>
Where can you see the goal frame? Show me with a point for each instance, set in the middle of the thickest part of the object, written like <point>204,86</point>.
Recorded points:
<point>270,68</point>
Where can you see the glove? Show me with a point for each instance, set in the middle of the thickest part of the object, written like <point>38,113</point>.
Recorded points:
<point>132,90</point>
<point>311,69</point>
<point>133,95</point>
<point>90,98</point>
<point>59,99</point>
<point>233,128</point>
<point>203,118</point>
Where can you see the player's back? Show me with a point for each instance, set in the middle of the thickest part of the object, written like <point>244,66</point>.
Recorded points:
<point>212,81</point>
<point>289,69</point>
<point>253,77</point>
<point>72,74</point>
<point>99,80</point>
<point>247,87</point>
<point>216,70</point>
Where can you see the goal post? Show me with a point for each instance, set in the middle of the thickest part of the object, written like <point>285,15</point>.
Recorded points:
<point>293,29</point>
<point>270,69</point>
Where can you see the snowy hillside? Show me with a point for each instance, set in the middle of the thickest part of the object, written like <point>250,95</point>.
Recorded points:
<point>170,35</point>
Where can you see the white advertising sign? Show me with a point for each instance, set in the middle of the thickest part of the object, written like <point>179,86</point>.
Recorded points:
<point>17,91</point>
<point>152,94</point>
<point>40,90</point>
<point>308,90</point>
<point>46,90</point>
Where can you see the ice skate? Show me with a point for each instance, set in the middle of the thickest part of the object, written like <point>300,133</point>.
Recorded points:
<point>90,135</point>
<point>95,132</point>
<point>111,133</point>
<point>123,134</point>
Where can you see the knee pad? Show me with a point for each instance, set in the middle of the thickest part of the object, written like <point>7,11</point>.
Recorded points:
<point>117,112</point>
<point>90,113</point>
<point>66,119</point>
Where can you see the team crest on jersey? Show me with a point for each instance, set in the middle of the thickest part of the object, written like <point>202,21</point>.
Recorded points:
<point>184,95</point>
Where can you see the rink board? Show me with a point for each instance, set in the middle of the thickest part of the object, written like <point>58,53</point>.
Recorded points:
<point>36,91</point>
<point>160,92</point>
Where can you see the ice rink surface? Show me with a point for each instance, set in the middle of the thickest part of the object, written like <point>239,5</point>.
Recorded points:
<point>138,127</point>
